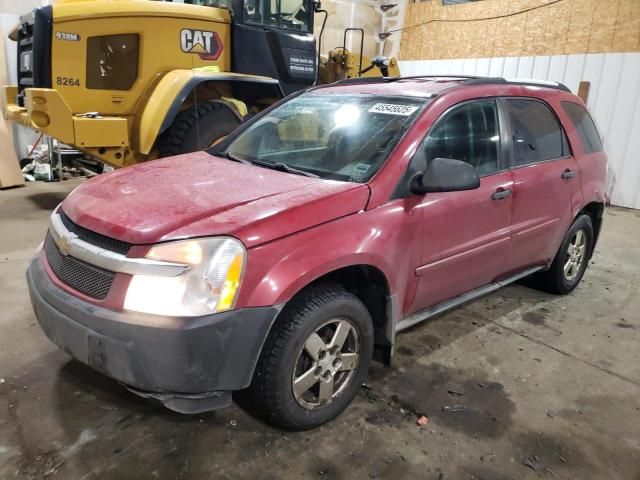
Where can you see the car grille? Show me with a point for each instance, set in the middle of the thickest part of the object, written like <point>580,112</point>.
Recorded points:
<point>94,238</point>
<point>88,279</point>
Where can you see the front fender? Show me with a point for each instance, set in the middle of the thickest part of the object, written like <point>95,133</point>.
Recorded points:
<point>305,275</point>
<point>165,100</point>
<point>385,238</point>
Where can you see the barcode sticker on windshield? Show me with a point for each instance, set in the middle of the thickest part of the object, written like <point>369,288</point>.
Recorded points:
<point>393,109</point>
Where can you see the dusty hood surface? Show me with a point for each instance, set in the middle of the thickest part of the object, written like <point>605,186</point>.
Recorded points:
<point>196,195</point>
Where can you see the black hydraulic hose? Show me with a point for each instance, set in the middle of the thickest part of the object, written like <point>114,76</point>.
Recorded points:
<point>326,14</point>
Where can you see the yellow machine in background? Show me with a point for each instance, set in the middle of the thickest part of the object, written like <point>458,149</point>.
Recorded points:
<point>131,80</point>
<point>341,63</point>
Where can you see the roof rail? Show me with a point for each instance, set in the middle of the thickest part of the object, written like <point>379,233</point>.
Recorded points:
<point>356,80</point>
<point>516,81</point>
<point>467,80</point>
<point>361,80</point>
<point>418,77</point>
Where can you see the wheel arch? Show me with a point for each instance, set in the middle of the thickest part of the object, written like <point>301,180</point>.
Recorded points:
<point>595,210</point>
<point>370,284</point>
<point>164,102</point>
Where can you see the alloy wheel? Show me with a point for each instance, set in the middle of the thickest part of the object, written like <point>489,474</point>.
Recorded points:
<point>326,363</point>
<point>576,254</point>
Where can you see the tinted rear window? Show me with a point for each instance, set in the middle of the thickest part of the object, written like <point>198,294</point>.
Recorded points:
<point>583,122</point>
<point>537,135</point>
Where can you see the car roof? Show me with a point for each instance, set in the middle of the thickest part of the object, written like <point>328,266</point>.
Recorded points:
<point>423,86</point>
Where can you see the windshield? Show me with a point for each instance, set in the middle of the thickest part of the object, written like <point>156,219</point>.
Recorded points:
<point>289,14</point>
<point>336,137</point>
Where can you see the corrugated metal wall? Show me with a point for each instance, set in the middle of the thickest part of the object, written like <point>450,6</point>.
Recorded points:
<point>614,101</point>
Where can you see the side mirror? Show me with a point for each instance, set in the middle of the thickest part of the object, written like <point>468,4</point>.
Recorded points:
<point>445,175</point>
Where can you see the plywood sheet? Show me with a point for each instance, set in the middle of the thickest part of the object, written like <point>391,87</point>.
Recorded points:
<point>626,35</point>
<point>515,27</point>
<point>556,29</point>
<point>603,25</point>
<point>564,27</point>
<point>580,22</point>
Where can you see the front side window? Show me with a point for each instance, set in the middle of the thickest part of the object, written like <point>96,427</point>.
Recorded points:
<point>337,137</point>
<point>470,133</point>
<point>537,135</point>
<point>585,126</point>
<point>287,14</point>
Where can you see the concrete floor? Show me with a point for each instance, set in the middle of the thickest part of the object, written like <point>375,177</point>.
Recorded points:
<point>551,389</point>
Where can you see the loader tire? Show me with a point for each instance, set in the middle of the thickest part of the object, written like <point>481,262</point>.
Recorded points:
<point>197,128</point>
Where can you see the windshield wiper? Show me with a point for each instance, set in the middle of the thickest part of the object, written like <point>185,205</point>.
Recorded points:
<point>235,158</point>
<point>283,167</point>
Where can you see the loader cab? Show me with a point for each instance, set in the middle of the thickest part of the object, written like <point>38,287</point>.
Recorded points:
<point>275,38</point>
<point>272,38</point>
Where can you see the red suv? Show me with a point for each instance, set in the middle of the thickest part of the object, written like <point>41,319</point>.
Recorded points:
<point>283,259</point>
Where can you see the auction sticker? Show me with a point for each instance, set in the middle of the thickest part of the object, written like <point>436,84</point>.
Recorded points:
<point>393,109</point>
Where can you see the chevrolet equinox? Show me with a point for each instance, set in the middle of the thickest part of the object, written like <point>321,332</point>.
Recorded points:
<point>285,258</point>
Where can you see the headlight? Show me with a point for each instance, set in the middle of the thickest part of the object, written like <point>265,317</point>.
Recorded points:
<point>210,285</point>
<point>112,61</point>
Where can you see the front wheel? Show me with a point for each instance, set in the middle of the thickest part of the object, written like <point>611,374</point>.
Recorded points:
<point>572,258</point>
<point>314,360</point>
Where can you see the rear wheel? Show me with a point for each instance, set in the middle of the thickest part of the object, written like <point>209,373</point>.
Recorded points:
<point>572,259</point>
<point>315,359</point>
<point>197,128</point>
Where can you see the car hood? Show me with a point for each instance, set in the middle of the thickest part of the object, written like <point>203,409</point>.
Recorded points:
<point>197,195</point>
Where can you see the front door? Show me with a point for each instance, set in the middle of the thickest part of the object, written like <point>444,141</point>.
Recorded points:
<point>466,234</point>
<point>547,183</point>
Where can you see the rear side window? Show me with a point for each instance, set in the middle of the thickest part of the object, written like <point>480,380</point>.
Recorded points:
<point>583,122</point>
<point>537,135</point>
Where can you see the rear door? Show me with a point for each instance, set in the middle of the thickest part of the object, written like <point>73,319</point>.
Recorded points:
<point>466,234</point>
<point>546,182</point>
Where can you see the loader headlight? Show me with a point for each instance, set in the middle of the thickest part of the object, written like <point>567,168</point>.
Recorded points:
<point>210,285</point>
<point>112,61</point>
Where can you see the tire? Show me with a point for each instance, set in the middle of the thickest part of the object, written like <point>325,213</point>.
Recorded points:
<point>556,280</point>
<point>197,128</point>
<point>285,357</point>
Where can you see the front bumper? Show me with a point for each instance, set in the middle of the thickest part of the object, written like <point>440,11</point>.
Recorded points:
<point>189,364</point>
<point>104,137</point>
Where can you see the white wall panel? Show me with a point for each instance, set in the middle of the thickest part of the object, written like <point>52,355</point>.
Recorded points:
<point>510,67</point>
<point>614,101</point>
<point>469,66</point>
<point>541,67</point>
<point>556,68</point>
<point>525,67</point>
<point>571,69</point>
<point>482,66</point>
<point>496,67</point>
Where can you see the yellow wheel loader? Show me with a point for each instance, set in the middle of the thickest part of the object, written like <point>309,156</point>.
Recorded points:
<point>131,80</point>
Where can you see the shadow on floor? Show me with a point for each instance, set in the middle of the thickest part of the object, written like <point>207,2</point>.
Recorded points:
<point>48,200</point>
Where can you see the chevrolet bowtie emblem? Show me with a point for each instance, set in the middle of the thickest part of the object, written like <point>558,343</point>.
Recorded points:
<point>64,245</point>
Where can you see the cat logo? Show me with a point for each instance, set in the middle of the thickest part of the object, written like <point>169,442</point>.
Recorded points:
<point>206,44</point>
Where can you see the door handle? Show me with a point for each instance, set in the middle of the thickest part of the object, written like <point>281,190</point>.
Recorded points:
<point>568,173</point>
<point>501,194</point>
